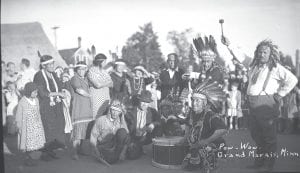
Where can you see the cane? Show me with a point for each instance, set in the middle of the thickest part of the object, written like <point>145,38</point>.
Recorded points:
<point>221,21</point>
<point>100,159</point>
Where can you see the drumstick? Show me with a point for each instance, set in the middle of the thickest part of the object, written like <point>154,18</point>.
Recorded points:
<point>103,161</point>
<point>221,21</point>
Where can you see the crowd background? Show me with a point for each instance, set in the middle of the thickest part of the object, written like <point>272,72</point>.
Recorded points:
<point>89,88</point>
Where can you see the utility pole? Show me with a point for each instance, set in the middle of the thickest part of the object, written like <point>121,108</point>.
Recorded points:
<point>298,62</point>
<point>55,36</point>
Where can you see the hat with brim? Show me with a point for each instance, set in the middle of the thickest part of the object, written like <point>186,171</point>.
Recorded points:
<point>145,96</point>
<point>140,68</point>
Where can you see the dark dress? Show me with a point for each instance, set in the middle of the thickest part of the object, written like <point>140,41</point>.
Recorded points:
<point>119,90</point>
<point>81,108</point>
<point>52,116</point>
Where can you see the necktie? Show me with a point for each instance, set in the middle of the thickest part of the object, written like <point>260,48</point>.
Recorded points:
<point>256,74</point>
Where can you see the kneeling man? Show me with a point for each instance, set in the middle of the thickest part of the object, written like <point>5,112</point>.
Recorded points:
<point>109,136</point>
<point>205,128</point>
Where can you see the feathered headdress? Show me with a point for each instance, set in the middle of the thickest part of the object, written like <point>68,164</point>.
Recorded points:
<point>206,47</point>
<point>211,91</point>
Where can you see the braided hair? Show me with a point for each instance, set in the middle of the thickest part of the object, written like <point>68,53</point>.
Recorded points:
<point>274,54</point>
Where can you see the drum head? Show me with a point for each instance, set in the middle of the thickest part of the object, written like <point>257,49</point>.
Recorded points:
<point>167,141</point>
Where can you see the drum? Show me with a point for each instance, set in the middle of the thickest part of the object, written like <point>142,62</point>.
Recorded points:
<point>166,154</point>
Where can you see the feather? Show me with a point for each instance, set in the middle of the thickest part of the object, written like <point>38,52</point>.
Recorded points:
<point>212,44</point>
<point>212,91</point>
<point>206,42</point>
<point>39,54</point>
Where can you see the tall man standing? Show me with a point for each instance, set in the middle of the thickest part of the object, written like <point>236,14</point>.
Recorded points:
<point>171,78</point>
<point>269,81</point>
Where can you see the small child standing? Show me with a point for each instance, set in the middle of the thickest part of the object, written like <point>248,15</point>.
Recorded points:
<point>234,111</point>
<point>31,136</point>
<point>156,95</point>
<point>12,97</point>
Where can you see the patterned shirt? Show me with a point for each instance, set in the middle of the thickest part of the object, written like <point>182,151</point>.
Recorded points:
<point>104,126</point>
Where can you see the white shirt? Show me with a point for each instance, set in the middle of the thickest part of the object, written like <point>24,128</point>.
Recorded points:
<point>281,81</point>
<point>171,73</point>
<point>27,76</point>
<point>140,119</point>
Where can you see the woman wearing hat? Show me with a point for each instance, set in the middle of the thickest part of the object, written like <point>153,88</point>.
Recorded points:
<point>121,89</point>
<point>50,98</point>
<point>139,81</point>
<point>100,82</point>
<point>81,106</point>
<point>31,135</point>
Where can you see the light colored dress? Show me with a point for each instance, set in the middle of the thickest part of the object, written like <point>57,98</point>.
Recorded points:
<point>100,96</point>
<point>31,134</point>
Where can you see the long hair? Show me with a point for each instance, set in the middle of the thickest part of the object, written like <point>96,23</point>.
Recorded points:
<point>274,54</point>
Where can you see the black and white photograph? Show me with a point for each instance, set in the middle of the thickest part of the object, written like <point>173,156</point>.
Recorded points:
<point>150,86</point>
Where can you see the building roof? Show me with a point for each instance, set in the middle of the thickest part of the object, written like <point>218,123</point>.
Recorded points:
<point>67,55</point>
<point>23,40</point>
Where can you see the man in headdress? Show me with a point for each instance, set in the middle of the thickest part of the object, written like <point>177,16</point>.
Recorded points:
<point>109,136</point>
<point>171,77</point>
<point>269,81</point>
<point>170,122</point>
<point>206,51</point>
<point>204,130</point>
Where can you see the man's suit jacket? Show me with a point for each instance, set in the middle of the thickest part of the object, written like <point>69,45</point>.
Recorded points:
<point>152,116</point>
<point>167,83</point>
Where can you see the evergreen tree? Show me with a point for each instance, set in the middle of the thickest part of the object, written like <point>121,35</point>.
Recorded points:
<point>143,48</point>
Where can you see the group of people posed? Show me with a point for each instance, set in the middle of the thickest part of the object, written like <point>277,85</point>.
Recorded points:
<point>119,110</point>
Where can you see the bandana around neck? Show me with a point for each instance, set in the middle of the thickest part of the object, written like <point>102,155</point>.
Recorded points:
<point>47,82</point>
<point>52,102</point>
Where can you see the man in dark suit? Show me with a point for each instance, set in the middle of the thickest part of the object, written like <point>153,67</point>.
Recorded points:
<point>171,78</point>
<point>143,124</point>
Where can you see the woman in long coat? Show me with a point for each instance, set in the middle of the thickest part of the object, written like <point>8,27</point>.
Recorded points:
<point>51,107</point>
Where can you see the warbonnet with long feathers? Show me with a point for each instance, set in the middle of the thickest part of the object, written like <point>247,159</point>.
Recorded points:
<point>274,54</point>
<point>212,91</point>
<point>206,47</point>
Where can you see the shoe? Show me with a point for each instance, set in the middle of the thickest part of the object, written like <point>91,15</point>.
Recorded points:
<point>30,162</point>
<point>75,157</point>
<point>45,157</point>
<point>52,154</point>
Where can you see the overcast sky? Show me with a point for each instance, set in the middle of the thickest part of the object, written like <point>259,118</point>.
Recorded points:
<point>108,24</point>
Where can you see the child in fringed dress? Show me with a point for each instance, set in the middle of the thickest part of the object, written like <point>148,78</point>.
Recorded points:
<point>31,136</point>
